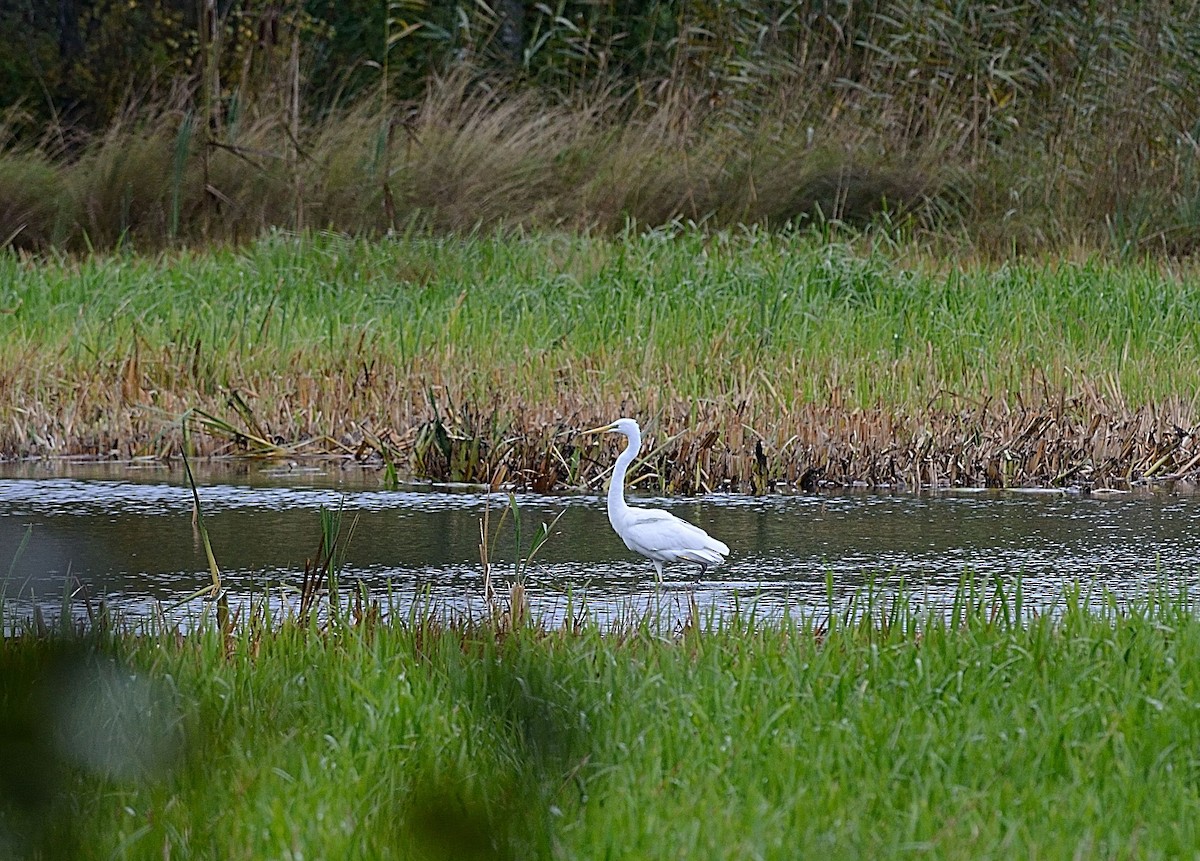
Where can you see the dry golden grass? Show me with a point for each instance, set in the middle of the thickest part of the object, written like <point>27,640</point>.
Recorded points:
<point>1090,439</point>
<point>466,157</point>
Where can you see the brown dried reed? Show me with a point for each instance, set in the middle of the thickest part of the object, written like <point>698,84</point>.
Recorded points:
<point>422,425</point>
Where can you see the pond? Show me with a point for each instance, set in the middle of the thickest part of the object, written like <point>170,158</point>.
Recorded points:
<point>125,532</point>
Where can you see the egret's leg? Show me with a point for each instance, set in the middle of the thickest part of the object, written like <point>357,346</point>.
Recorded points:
<point>658,570</point>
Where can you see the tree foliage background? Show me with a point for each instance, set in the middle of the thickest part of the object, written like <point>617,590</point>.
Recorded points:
<point>81,62</point>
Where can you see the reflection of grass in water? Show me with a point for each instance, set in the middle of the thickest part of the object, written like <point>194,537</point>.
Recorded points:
<point>24,542</point>
<point>198,523</point>
<point>970,730</point>
<point>464,359</point>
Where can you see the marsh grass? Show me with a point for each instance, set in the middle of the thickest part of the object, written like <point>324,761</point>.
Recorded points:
<point>885,726</point>
<point>754,360</point>
<point>322,571</point>
<point>464,156</point>
<point>1026,128</point>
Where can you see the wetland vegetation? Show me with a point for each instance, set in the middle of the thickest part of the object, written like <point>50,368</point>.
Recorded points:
<point>883,728</point>
<point>1033,127</point>
<point>906,244</point>
<point>756,359</point>
<point>899,243</point>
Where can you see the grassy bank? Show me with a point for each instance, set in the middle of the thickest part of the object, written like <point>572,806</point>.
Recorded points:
<point>754,359</point>
<point>985,732</point>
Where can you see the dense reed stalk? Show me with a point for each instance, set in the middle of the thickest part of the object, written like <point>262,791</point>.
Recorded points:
<point>1029,127</point>
<point>753,359</point>
<point>975,730</point>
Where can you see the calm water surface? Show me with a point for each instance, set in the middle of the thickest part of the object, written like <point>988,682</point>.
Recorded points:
<point>126,533</point>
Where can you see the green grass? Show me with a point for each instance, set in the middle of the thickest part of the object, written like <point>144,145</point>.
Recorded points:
<point>985,732</point>
<point>608,317</point>
<point>469,356</point>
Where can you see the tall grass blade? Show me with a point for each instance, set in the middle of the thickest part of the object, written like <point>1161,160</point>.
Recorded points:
<point>19,552</point>
<point>213,570</point>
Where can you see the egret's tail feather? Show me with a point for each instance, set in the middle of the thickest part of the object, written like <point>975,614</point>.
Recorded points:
<point>704,556</point>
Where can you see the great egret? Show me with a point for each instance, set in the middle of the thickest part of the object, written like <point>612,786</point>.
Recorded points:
<point>654,533</point>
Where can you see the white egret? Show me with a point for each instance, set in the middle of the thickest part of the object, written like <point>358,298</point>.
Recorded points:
<point>654,533</point>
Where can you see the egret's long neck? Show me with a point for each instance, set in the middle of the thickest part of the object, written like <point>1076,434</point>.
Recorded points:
<point>616,489</point>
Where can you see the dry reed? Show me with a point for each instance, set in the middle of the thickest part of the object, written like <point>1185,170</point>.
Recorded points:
<point>1091,439</point>
<point>924,118</point>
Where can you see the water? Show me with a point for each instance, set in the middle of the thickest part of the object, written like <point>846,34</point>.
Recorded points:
<point>126,533</point>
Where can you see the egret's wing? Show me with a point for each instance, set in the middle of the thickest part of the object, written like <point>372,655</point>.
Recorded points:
<point>661,535</point>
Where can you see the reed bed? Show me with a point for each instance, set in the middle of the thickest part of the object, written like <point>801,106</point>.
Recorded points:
<point>754,360</point>
<point>984,728</point>
<point>1031,127</point>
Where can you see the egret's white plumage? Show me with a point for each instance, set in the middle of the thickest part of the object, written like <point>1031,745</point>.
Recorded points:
<point>656,534</point>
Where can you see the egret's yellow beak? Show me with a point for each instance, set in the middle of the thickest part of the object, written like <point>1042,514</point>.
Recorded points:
<point>600,429</point>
